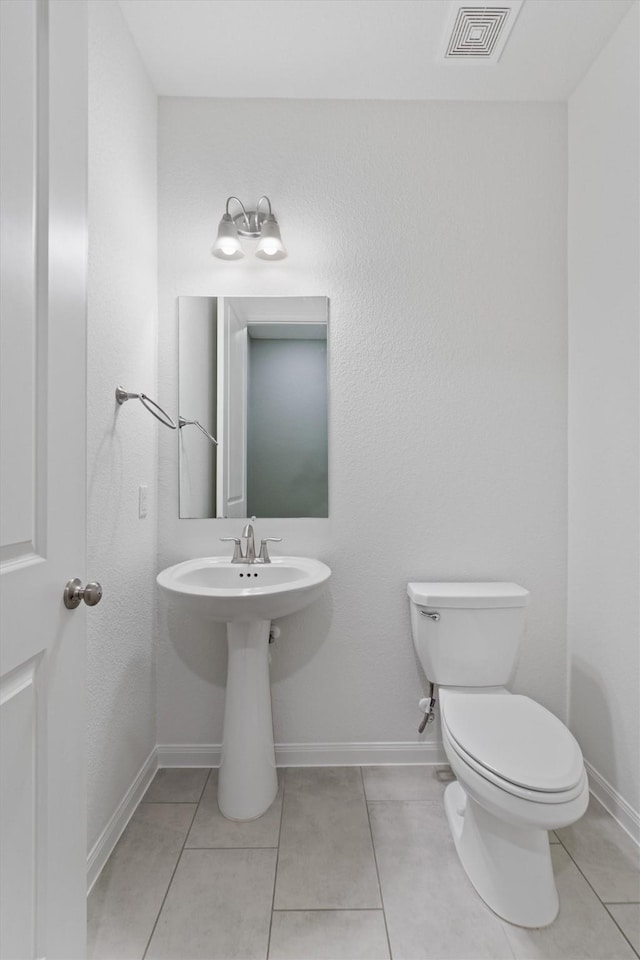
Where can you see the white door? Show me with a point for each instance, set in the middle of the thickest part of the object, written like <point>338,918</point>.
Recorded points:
<point>232,412</point>
<point>42,644</point>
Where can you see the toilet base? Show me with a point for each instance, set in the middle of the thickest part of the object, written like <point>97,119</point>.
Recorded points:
<point>509,865</point>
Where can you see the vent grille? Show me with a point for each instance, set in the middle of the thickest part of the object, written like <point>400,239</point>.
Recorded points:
<point>479,31</point>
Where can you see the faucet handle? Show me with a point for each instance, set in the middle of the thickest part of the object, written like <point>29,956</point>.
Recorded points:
<point>264,550</point>
<point>238,556</point>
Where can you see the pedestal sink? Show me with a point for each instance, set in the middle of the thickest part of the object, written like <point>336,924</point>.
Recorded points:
<point>247,597</point>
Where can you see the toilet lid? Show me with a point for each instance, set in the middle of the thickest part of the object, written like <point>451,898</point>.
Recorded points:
<point>516,739</point>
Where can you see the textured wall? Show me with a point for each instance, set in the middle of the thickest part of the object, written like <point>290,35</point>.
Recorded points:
<point>122,448</point>
<point>604,459</point>
<point>438,231</point>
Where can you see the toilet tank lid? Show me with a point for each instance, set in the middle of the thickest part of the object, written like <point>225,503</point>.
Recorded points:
<point>486,594</point>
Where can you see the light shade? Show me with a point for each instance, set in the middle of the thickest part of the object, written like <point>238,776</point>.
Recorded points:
<point>227,245</point>
<point>270,245</point>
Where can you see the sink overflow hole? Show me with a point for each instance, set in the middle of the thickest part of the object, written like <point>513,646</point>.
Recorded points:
<point>249,574</point>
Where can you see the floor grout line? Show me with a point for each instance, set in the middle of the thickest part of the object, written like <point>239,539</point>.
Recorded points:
<point>166,893</point>
<point>183,802</point>
<point>593,889</point>
<point>381,909</point>
<point>372,803</point>
<point>204,785</point>
<point>633,904</point>
<point>275,872</point>
<point>329,910</point>
<point>232,847</point>
<point>375,860</point>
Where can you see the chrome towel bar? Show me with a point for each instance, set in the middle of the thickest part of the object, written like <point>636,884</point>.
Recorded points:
<point>196,423</point>
<point>122,395</point>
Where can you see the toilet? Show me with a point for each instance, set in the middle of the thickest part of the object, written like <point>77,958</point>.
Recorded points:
<point>519,770</point>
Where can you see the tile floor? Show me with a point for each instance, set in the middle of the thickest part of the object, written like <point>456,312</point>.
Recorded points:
<point>349,863</point>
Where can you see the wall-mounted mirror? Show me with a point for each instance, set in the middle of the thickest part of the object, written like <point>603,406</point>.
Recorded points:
<point>252,393</point>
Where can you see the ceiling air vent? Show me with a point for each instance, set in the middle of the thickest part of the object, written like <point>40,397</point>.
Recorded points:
<point>477,32</point>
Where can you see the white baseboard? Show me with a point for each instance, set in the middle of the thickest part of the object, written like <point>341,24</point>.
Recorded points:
<point>357,754</point>
<point>103,847</point>
<point>617,806</point>
<point>309,754</point>
<point>287,755</point>
<point>188,754</point>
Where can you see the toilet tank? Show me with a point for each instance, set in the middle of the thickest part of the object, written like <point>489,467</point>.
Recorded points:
<point>475,638</point>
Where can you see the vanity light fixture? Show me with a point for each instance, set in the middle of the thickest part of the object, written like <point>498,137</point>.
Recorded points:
<point>255,224</point>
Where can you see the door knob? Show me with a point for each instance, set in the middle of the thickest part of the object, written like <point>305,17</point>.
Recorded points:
<point>74,592</point>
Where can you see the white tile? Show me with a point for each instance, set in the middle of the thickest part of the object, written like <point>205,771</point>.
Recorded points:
<point>431,908</point>
<point>326,857</point>
<point>218,907</point>
<point>211,829</point>
<point>607,856</point>
<point>402,782</point>
<point>627,916</point>
<point>583,928</point>
<point>177,785</point>
<point>328,935</point>
<point>125,900</point>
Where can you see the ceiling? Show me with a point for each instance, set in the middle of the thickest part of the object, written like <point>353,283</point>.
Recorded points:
<point>360,49</point>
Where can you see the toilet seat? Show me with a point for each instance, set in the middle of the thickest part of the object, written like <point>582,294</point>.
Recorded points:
<point>515,743</point>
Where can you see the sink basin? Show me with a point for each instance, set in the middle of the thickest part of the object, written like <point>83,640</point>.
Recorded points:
<point>224,591</point>
<point>247,596</point>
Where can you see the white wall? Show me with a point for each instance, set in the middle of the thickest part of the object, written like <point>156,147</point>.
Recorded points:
<point>438,231</point>
<point>122,449</point>
<point>604,302</point>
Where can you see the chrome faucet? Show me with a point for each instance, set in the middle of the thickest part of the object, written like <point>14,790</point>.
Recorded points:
<point>249,556</point>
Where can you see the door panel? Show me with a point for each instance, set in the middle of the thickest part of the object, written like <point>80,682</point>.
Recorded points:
<point>19,717</point>
<point>43,329</point>
<point>18,171</point>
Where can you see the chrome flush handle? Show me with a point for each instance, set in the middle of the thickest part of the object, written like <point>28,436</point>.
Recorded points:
<point>432,616</point>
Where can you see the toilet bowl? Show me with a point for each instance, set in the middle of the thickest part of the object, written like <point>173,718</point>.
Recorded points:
<point>520,773</point>
<point>519,770</point>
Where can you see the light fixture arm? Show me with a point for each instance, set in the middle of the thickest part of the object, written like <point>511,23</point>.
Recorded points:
<point>258,209</point>
<point>244,212</point>
<point>249,222</point>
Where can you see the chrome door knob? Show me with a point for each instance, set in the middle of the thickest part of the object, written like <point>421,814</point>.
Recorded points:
<point>74,592</point>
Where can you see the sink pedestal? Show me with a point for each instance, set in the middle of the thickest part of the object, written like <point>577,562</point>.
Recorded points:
<point>247,780</point>
<point>218,589</point>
